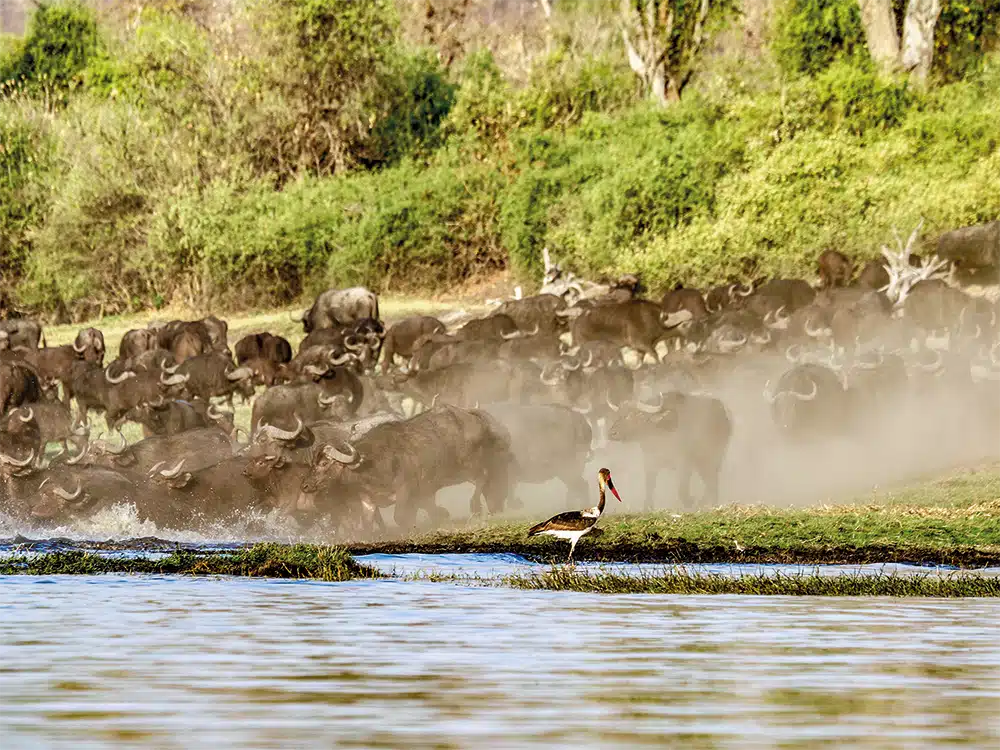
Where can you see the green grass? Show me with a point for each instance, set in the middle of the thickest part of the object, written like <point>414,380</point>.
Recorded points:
<point>567,579</point>
<point>950,521</point>
<point>262,560</point>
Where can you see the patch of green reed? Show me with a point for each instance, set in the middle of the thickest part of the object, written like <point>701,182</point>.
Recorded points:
<point>261,560</point>
<point>603,582</point>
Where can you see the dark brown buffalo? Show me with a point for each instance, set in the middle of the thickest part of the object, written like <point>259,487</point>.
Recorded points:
<point>286,406</point>
<point>401,337</point>
<point>404,464</point>
<point>19,384</point>
<point>22,333</point>
<point>173,417</point>
<point>54,364</point>
<point>67,493</point>
<point>199,447</point>
<point>787,295</point>
<point>136,388</point>
<point>539,311</point>
<point>135,342</point>
<point>212,492</point>
<point>874,276</point>
<point>218,332</point>
<point>543,347</point>
<point>55,421</point>
<point>213,375</point>
<point>810,400</point>
<point>639,325</point>
<point>425,346</point>
<point>187,338</point>
<point>725,296</point>
<point>89,344</point>
<point>685,432</point>
<point>462,384</point>
<point>835,269</point>
<point>20,434</point>
<point>339,307</point>
<point>492,328</point>
<point>263,346</point>
<point>933,305</point>
<point>681,304</point>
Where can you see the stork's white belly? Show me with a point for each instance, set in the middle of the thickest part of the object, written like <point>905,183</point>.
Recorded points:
<point>564,534</point>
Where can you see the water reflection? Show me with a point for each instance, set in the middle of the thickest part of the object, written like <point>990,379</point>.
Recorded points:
<point>116,661</point>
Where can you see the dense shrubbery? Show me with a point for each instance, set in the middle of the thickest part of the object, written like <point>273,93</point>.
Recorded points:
<point>307,146</point>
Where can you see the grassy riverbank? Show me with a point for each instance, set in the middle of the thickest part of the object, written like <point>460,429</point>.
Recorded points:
<point>566,579</point>
<point>262,560</point>
<point>949,521</point>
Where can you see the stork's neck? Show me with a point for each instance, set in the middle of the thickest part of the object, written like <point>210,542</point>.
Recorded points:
<point>600,502</point>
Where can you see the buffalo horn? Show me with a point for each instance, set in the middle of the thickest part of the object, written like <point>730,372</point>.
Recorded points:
<point>611,404</point>
<point>571,364</point>
<point>548,381</point>
<point>769,396</point>
<point>279,434</point>
<point>650,408</point>
<point>805,396</point>
<point>120,449</point>
<point>241,373</point>
<point>169,370</point>
<point>793,353</point>
<point>171,473</point>
<point>509,336</point>
<point>29,416</point>
<point>351,343</point>
<point>60,492</point>
<point>813,332</point>
<point>74,460</point>
<point>174,379</point>
<point>324,401</point>
<point>674,319</point>
<point>350,458</point>
<point>584,409</point>
<point>342,359</point>
<point>79,349</point>
<point>126,374</point>
<point>314,370</point>
<point>4,458</point>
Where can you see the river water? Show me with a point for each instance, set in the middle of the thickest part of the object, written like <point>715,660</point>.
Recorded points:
<point>151,661</point>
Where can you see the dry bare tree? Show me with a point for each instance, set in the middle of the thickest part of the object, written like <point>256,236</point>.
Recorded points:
<point>913,52</point>
<point>664,40</point>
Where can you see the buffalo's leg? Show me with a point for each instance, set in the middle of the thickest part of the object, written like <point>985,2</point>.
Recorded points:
<point>710,478</point>
<point>685,474</point>
<point>650,470</point>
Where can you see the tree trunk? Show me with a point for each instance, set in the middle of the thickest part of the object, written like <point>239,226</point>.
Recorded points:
<point>880,33</point>
<point>918,37</point>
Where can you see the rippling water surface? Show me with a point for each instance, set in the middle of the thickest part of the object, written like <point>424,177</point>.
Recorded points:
<point>184,662</point>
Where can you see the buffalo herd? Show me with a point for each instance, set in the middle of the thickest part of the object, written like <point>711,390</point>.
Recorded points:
<point>364,417</point>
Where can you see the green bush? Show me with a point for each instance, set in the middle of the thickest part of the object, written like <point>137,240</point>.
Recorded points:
<point>25,154</point>
<point>859,100</point>
<point>419,98</point>
<point>810,35</point>
<point>404,228</point>
<point>60,41</point>
<point>966,31</point>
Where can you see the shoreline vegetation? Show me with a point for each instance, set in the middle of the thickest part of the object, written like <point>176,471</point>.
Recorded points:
<point>300,561</point>
<point>335,564</point>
